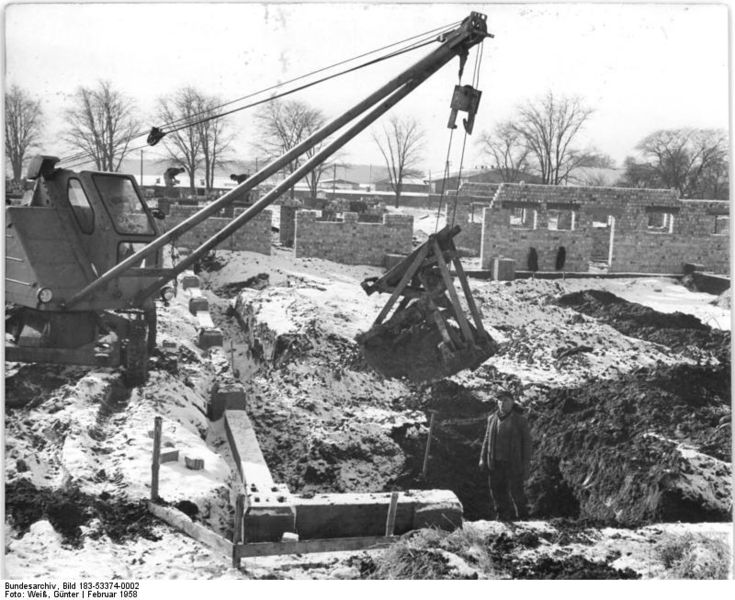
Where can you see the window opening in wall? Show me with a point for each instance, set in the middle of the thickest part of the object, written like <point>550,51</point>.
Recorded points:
<point>561,217</point>
<point>523,218</point>
<point>722,225</point>
<point>660,222</point>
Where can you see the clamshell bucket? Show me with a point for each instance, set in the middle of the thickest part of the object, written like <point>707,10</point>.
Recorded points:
<point>428,336</point>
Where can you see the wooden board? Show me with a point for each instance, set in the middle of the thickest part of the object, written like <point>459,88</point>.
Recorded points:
<point>180,521</point>
<point>311,546</point>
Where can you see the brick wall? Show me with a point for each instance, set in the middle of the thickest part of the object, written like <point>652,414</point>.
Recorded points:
<point>254,236</point>
<point>349,241</point>
<point>287,225</point>
<point>695,237</point>
<point>690,231</point>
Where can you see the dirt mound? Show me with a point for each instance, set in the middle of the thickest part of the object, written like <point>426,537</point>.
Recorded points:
<point>621,447</point>
<point>418,352</point>
<point>680,332</point>
<point>69,509</point>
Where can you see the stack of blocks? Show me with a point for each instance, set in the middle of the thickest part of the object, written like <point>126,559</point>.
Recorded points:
<point>209,335</point>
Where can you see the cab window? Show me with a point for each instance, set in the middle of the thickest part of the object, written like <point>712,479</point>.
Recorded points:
<point>124,205</point>
<point>80,205</point>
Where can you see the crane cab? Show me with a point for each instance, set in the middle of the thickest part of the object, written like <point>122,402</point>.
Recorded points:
<point>71,229</point>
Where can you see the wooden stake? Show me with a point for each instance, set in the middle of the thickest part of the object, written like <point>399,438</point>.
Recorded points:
<point>428,446</point>
<point>237,534</point>
<point>156,463</point>
<point>390,522</point>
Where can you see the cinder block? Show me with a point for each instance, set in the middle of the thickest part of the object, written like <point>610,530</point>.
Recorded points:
<point>189,281</point>
<point>194,463</point>
<point>210,337</point>
<point>169,456</point>
<point>198,303</point>
<point>689,268</point>
<point>228,396</point>
<point>503,269</point>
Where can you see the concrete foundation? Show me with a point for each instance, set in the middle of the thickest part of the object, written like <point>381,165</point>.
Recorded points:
<point>357,515</point>
<point>271,510</point>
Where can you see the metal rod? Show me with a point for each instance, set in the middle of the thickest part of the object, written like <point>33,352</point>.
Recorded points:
<point>457,42</point>
<point>256,208</point>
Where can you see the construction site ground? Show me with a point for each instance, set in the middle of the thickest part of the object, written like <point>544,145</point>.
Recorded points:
<point>626,384</point>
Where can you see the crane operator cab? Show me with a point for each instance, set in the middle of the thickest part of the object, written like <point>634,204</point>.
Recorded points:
<point>69,231</point>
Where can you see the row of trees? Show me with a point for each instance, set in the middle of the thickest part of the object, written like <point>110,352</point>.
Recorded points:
<point>540,139</point>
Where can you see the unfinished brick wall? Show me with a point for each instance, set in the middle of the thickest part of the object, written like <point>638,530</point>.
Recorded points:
<point>652,231</point>
<point>472,198</point>
<point>519,219</point>
<point>699,234</point>
<point>349,241</point>
<point>254,236</point>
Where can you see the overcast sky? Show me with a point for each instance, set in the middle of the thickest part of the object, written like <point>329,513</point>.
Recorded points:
<point>642,67</point>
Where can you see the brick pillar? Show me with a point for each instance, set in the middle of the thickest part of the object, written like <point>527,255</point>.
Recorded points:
<point>288,220</point>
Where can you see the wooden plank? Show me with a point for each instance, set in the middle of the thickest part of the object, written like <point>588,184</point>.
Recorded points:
<point>390,521</point>
<point>444,270</point>
<point>180,521</point>
<point>237,534</point>
<point>156,461</point>
<point>425,467</point>
<point>407,276</point>
<point>311,546</point>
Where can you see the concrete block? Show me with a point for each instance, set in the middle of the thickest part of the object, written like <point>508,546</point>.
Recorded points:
<point>189,281</point>
<point>503,269</point>
<point>230,396</point>
<point>169,456</point>
<point>197,304</point>
<point>689,268</point>
<point>444,515</point>
<point>193,463</point>
<point>354,514</point>
<point>210,337</point>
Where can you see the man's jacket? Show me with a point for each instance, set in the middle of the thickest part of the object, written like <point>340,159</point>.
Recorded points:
<point>520,442</point>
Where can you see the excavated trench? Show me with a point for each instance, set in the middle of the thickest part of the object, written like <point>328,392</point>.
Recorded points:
<point>605,451</point>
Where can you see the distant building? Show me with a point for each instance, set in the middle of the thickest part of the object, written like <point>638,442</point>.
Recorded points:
<point>454,180</point>
<point>338,184</point>
<point>410,184</point>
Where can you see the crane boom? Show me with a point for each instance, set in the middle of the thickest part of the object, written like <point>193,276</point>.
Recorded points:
<point>458,42</point>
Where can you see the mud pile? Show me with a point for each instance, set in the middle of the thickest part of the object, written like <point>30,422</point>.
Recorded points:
<point>650,446</point>
<point>681,332</point>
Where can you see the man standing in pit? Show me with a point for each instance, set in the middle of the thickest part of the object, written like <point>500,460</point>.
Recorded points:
<point>506,453</point>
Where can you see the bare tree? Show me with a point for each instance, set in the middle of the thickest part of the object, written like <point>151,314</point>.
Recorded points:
<point>401,143</point>
<point>216,140</point>
<point>102,124</point>
<point>285,124</point>
<point>549,127</point>
<point>183,141</point>
<point>23,122</point>
<point>692,161</point>
<point>508,151</point>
